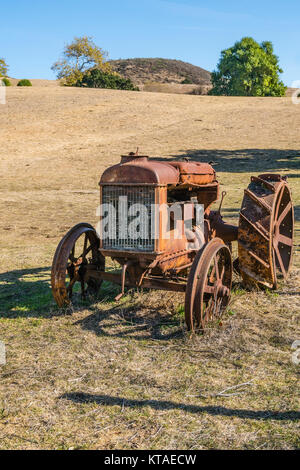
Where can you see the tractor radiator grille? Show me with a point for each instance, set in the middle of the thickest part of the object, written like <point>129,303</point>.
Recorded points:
<point>128,221</point>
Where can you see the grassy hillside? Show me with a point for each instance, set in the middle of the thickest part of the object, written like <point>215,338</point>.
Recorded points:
<point>141,71</point>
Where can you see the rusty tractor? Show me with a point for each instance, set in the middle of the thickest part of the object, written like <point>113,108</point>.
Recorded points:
<point>199,262</point>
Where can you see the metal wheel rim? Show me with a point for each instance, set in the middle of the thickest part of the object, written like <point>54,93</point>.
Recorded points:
<point>265,236</point>
<point>283,234</point>
<point>214,296</point>
<point>62,266</point>
<point>195,293</point>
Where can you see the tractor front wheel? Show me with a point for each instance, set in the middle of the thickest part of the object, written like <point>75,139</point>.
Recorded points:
<point>76,252</point>
<point>209,285</point>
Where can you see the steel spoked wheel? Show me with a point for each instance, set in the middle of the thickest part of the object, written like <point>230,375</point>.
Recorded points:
<point>76,253</point>
<point>283,233</point>
<point>209,285</point>
<point>266,228</point>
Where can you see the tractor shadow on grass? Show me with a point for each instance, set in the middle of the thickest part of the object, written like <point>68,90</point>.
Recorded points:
<point>26,293</point>
<point>156,315</point>
<point>132,323</point>
<point>246,160</point>
<point>107,400</point>
<point>132,318</point>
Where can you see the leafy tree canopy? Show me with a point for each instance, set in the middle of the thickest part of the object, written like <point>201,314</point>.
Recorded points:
<point>24,82</point>
<point>79,56</point>
<point>6,82</point>
<point>3,68</point>
<point>248,69</point>
<point>96,78</point>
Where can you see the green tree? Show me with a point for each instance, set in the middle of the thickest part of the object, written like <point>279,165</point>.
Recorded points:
<point>96,78</point>
<point>3,68</point>
<point>248,69</point>
<point>79,56</point>
<point>187,81</point>
<point>6,82</point>
<point>24,82</point>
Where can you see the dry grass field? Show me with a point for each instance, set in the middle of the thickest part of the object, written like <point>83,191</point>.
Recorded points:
<point>126,375</point>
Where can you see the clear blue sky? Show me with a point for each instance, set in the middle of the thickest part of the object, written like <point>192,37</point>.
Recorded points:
<point>33,33</point>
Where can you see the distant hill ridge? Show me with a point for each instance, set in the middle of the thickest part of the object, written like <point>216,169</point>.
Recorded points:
<point>141,71</point>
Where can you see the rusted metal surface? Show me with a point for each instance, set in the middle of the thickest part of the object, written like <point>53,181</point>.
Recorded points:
<point>111,194</point>
<point>265,237</point>
<point>209,285</point>
<point>69,266</point>
<point>227,232</point>
<point>195,173</point>
<point>139,169</point>
<point>160,259</point>
<point>205,194</point>
<point>149,282</point>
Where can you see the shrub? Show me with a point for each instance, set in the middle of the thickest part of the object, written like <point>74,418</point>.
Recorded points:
<point>187,81</point>
<point>199,90</point>
<point>5,82</point>
<point>96,78</point>
<point>156,87</point>
<point>24,82</point>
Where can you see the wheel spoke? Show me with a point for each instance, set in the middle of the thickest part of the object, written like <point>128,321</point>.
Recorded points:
<point>85,252</point>
<point>225,290</point>
<point>216,261</point>
<point>278,203</point>
<point>212,274</point>
<point>209,289</point>
<point>222,273</point>
<point>285,240</point>
<point>84,247</point>
<point>211,309</point>
<point>207,310</point>
<point>280,260</point>
<point>71,285</point>
<point>284,213</point>
<point>70,270</point>
<point>72,255</point>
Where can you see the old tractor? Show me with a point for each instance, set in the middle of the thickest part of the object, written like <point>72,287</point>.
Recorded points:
<point>199,262</point>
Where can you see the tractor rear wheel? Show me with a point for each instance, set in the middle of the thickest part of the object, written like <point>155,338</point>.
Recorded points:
<point>265,236</point>
<point>78,249</point>
<point>209,285</point>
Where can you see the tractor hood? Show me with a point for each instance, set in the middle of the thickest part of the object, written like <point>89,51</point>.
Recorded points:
<point>134,169</point>
<point>140,170</point>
